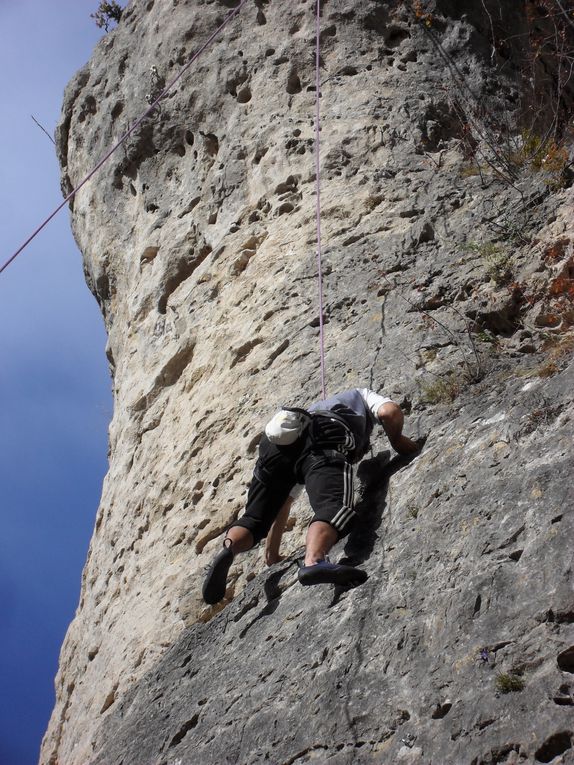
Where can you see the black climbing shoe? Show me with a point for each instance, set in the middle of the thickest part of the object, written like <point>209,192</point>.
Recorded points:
<point>216,580</point>
<point>325,572</point>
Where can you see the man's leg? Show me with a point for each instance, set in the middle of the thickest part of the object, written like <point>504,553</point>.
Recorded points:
<point>241,539</point>
<point>238,539</point>
<point>272,481</point>
<point>215,582</point>
<point>329,484</point>
<point>321,537</point>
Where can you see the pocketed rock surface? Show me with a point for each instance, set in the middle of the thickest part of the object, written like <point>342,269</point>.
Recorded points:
<point>447,287</point>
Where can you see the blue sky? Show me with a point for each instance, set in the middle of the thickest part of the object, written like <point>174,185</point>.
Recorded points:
<point>54,383</point>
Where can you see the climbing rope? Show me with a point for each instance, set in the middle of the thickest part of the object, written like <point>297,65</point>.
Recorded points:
<point>318,190</point>
<point>126,135</point>
<point>152,107</point>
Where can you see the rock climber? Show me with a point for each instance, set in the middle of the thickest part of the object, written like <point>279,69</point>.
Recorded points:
<point>315,448</point>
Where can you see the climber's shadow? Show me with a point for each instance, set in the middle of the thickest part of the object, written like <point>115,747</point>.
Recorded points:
<point>272,592</point>
<point>374,475</point>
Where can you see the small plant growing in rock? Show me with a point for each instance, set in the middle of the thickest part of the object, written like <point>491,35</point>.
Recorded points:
<point>513,230</point>
<point>421,14</point>
<point>496,258</point>
<point>443,390</point>
<point>506,682</point>
<point>412,511</point>
<point>469,171</point>
<point>549,369</point>
<point>559,351</point>
<point>487,337</point>
<point>498,262</point>
<point>545,155</point>
<point>106,14</point>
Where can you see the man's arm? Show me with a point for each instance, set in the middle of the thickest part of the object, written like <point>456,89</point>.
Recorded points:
<point>392,419</point>
<point>273,541</point>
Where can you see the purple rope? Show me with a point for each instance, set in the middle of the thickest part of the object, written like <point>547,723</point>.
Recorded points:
<point>318,193</point>
<point>168,87</point>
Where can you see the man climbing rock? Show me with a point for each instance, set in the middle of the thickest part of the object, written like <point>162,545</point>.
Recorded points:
<point>316,448</point>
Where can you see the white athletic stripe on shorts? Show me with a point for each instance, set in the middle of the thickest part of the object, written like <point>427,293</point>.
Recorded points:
<point>346,512</point>
<point>341,521</point>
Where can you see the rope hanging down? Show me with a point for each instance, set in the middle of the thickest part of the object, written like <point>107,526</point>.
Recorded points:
<point>318,191</point>
<point>126,135</point>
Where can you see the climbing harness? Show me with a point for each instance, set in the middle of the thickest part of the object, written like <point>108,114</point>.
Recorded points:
<point>126,135</point>
<point>327,428</point>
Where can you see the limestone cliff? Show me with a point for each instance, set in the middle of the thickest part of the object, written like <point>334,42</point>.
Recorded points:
<point>449,267</point>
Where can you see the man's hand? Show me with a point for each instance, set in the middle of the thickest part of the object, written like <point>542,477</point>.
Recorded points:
<point>272,557</point>
<point>392,419</point>
<point>421,441</point>
<point>405,446</point>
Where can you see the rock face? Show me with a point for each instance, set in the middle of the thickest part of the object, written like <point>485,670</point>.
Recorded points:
<point>449,270</point>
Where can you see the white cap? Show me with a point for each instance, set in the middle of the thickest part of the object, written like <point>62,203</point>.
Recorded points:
<point>284,428</point>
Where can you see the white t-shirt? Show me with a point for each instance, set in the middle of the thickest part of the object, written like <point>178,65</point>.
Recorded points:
<point>374,401</point>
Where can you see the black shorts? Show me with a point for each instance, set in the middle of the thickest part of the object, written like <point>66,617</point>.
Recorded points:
<point>326,473</point>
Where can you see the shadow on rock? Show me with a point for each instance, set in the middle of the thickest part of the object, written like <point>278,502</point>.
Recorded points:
<point>374,475</point>
<point>273,594</point>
